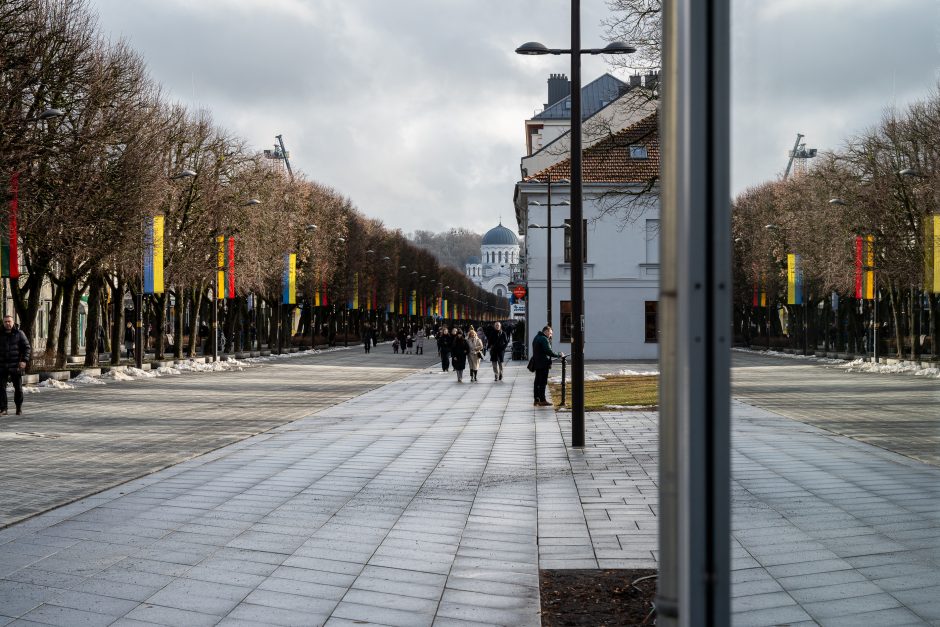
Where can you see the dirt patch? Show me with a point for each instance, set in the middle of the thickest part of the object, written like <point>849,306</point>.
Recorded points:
<point>597,598</point>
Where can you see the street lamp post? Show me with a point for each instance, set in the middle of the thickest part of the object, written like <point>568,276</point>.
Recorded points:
<point>548,288</point>
<point>345,243</point>
<point>577,208</point>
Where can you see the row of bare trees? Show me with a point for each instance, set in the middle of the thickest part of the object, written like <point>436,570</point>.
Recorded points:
<point>98,150</point>
<point>884,183</point>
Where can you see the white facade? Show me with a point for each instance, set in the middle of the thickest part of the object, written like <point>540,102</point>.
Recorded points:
<point>621,274</point>
<point>499,252</point>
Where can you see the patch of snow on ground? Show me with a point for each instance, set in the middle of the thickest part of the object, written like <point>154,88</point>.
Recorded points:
<point>117,375</point>
<point>164,370</point>
<point>140,374</point>
<point>55,384</point>
<point>84,379</point>
<point>636,373</point>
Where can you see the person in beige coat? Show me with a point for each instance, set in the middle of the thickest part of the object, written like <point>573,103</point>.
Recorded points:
<point>476,353</point>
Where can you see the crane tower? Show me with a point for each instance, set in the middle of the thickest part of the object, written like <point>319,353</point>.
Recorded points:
<point>799,157</point>
<point>282,154</point>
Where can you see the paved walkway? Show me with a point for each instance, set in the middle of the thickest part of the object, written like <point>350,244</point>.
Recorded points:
<point>427,502</point>
<point>71,443</point>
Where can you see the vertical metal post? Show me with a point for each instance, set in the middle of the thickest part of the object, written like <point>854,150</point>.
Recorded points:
<point>548,260</point>
<point>577,245</point>
<point>695,317</point>
<point>564,362</point>
<point>874,326</point>
<point>215,325</point>
<point>139,340</point>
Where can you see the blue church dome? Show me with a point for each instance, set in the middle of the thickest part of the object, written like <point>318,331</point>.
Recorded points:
<point>500,236</point>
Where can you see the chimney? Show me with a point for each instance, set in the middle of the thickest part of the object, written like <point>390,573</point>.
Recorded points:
<point>558,87</point>
<point>635,80</point>
<point>652,80</point>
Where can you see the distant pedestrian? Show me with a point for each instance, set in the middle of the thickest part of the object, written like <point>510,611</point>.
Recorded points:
<point>14,357</point>
<point>419,342</point>
<point>542,355</point>
<point>129,337</point>
<point>498,341</point>
<point>459,349</point>
<point>443,348</point>
<point>411,343</point>
<point>475,353</point>
<point>367,341</point>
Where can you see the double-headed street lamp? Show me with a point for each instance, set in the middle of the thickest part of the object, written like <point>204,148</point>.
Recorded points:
<point>577,207</point>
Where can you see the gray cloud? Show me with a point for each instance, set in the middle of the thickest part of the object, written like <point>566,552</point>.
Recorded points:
<point>415,108</point>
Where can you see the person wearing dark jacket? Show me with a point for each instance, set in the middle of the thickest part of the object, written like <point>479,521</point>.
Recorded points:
<point>459,349</point>
<point>542,355</point>
<point>497,341</point>
<point>14,357</point>
<point>443,348</point>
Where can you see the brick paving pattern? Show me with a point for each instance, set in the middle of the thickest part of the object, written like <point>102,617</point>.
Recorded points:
<point>427,502</point>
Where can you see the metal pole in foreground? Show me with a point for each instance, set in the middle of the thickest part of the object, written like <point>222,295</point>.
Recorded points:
<point>564,362</point>
<point>577,233</point>
<point>548,254</point>
<point>215,326</point>
<point>139,339</point>
<point>695,317</point>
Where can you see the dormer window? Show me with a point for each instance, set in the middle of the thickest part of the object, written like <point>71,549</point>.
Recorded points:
<point>638,152</point>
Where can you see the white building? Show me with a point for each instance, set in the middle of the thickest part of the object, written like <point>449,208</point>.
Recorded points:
<point>499,251</point>
<point>621,227</point>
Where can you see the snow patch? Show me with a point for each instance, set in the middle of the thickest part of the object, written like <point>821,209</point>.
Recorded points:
<point>84,379</point>
<point>55,384</point>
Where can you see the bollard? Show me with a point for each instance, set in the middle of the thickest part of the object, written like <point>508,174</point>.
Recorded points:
<point>563,364</point>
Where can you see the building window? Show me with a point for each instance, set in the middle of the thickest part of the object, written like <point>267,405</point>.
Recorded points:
<point>638,152</point>
<point>652,332</point>
<point>583,241</point>
<point>564,333</point>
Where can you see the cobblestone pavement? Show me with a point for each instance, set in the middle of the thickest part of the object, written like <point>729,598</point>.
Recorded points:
<point>895,412</point>
<point>430,502</point>
<point>71,443</point>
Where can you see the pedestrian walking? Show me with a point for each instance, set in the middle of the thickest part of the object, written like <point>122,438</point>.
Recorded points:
<point>395,345</point>
<point>541,362</point>
<point>459,349</point>
<point>129,337</point>
<point>411,343</point>
<point>367,341</point>
<point>443,348</point>
<point>14,357</point>
<point>419,342</point>
<point>475,353</point>
<point>498,341</point>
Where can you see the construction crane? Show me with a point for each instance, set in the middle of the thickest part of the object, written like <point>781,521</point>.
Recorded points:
<point>799,154</point>
<point>281,153</point>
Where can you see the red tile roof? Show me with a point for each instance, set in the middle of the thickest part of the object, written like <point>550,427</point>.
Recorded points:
<point>608,161</point>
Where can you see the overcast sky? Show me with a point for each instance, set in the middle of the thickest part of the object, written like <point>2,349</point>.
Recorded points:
<point>415,108</point>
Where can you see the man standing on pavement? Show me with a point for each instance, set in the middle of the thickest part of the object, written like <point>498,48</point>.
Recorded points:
<point>14,356</point>
<point>542,355</point>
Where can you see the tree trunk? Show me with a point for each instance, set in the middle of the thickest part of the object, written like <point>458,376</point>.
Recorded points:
<point>898,338</point>
<point>158,310</point>
<point>73,326</point>
<point>95,283</point>
<point>178,323</point>
<point>117,321</point>
<point>52,333</point>
<point>27,299</point>
<point>68,302</point>
<point>195,303</point>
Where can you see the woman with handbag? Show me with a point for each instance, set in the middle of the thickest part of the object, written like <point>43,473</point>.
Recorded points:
<point>475,345</point>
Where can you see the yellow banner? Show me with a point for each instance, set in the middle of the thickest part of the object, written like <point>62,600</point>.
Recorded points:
<point>932,254</point>
<point>355,300</point>
<point>158,254</point>
<point>868,288</point>
<point>220,274</point>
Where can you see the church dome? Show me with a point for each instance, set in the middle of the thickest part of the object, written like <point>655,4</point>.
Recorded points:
<point>500,236</point>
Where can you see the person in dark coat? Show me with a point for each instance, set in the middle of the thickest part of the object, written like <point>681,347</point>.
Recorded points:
<point>130,335</point>
<point>459,349</point>
<point>497,341</point>
<point>443,348</point>
<point>542,355</point>
<point>14,357</point>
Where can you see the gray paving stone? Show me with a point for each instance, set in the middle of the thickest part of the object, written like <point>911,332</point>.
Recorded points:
<point>67,617</point>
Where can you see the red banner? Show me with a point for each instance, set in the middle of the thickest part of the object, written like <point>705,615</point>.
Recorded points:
<point>231,267</point>
<point>14,236</point>
<point>859,264</point>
